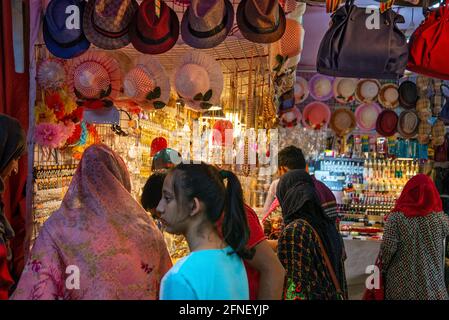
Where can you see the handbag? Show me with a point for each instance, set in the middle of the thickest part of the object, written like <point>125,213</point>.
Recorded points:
<point>350,49</point>
<point>429,45</point>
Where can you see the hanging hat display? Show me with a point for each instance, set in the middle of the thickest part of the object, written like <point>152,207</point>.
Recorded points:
<point>387,123</point>
<point>286,52</point>
<point>437,97</point>
<point>342,121</point>
<point>151,33</point>
<point>51,74</point>
<point>147,83</point>
<point>389,96</point>
<point>366,115</point>
<point>94,75</point>
<point>206,24</point>
<point>423,108</point>
<point>408,95</point>
<point>157,145</point>
<point>106,22</point>
<point>320,87</point>
<point>408,124</point>
<point>290,118</point>
<point>261,21</point>
<point>301,90</point>
<point>438,133</point>
<point>61,41</point>
<point>367,90</point>
<point>344,89</point>
<point>199,80</point>
<point>316,115</point>
<point>424,131</point>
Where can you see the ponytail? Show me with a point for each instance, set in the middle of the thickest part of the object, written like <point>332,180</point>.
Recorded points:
<point>235,227</point>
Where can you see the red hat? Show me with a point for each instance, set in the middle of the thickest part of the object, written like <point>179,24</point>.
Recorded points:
<point>221,126</point>
<point>153,35</point>
<point>387,123</point>
<point>157,145</point>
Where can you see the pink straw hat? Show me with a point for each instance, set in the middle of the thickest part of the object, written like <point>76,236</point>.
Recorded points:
<point>366,115</point>
<point>316,115</point>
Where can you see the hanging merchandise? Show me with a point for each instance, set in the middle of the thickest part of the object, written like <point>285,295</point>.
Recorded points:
<point>51,74</point>
<point>199,81</point>
<point>423,109</point>
<point>342,122</point>
<point>157,145</point>
<point>350,49</point>
<point>437,97</point>
<point>424,131</point>
<point>408,124</point>
<point>438,133</point>
<point>387,123</point>
<point>316,115</point>
<point>367,90</point>
<point>408,95</point>
<point>286,52</point>
<point>206,24</point>
<point>291,118</point>
<point>366,115</point>
<point>444,115</point>
<point>219,135</point>
<point>320,87</point>
<point>60,40</point>
<point>389,96</point>
<point>344,90</point>
<point>106,22</point>
<point>423,84</point>
<point>301,90</point>
<point>148,83</point>
<point>429,45</point>
<point>261,21</point>
<point>152,33</point>
<point>441,152</point>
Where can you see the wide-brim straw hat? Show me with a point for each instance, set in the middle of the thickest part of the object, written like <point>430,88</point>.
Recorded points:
<point>206,24</point>
<point>290,118</point>
<point>148,83</point>
<point>344,90</point>
<point>198,80</point>
<point>389,96</point>
<point>366,116</point>
<point>51,74</point>
<point>316,115</point>
<point>321,87</point>
<point>301,90</point>
<point>342,121</point>
<point>367,90</point>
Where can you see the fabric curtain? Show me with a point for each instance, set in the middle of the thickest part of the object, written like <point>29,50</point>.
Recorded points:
<point>14,101</point>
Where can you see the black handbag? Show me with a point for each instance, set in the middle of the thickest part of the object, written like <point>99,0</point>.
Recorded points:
<point>350,49</point>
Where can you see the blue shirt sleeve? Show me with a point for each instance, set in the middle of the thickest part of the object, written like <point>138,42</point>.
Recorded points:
<point>176,287</point>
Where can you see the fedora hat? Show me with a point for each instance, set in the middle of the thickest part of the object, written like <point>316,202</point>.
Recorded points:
<point>261,21</point>
<point>51,74</point>
<point>316,115</point>
<point>387,123</point>
<point>152,34</point>
<point>342,121</point>
<point>61,41</point>
<point>206,24</point>
<point>408,94</point>
<point>286,52</point>
<point>344,89</point>
<point>320,87</point>
<point>94,75</point>
<point>198,80</point>
<point>147,83</point>
<point>301,90</point>
<point>290,118</point>
<point>367,90</point>
<point>366,115</point>
<point>408,124</point>
<point>106,22</point>
<point>389,96</point>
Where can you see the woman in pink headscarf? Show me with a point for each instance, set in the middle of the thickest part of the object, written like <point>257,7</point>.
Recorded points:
<point>100,244</point>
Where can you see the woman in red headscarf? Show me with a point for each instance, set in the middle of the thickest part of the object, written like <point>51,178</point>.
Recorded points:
<point>413,247</point>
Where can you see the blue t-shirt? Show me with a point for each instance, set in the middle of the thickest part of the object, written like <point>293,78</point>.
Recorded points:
<point>207,275</point>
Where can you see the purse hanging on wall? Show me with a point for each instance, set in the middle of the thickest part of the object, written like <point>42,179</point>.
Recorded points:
<point>351,49</point>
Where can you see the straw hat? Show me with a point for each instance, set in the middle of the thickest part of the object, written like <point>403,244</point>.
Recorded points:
<point>424,131</point>
<point>50,74</point>
<point>408,124</point>
<point>320,87</point>
<point>94,74</point>
<point>198,80</point>
<point>287,50</point>
<point>423,109</point>
<point>206,24</point>
<point>342,121</point>
<point>301,90</point>
<point>387,123</point>
<point>389,96</point>
<point>106,22</point>
<point>344,89</point>
<point>316,115</point>
<point>438,133</point>
<point>290,118</point>
<point>408,94</point>
<point>366,116</point>
<point>147,83</point>
<point>367,90</point>
<point>261,21</point>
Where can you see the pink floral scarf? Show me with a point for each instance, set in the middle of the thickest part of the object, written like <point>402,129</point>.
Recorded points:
<point>103,233</point>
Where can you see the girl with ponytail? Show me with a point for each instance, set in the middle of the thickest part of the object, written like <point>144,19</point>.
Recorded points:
<point>195,199</point>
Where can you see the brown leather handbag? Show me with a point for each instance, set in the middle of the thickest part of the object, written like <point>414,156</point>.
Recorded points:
<point>351,49</point>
